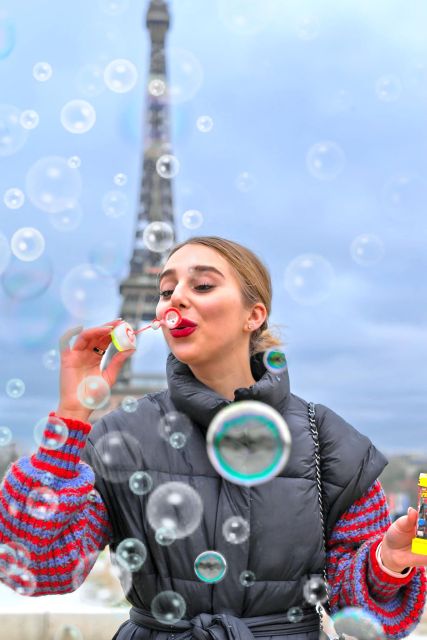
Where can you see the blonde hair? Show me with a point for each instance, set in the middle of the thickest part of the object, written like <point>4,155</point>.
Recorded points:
<point>254,279</point>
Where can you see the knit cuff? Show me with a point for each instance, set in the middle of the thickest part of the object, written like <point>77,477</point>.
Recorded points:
<point>381,576</point>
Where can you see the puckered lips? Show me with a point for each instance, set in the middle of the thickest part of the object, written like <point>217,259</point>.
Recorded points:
<point>185,328</point>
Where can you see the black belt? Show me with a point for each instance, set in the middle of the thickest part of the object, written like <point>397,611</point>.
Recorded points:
<point>223,626</point>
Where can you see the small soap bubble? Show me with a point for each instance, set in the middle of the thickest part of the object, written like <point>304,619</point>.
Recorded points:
<point>74,162</point>
<point>129,404</point>
<point>165,536</point>
<point>28,583</point>
<point>245,181</point>
<point>388,88</point>
<point>172,318</point>
<point>13,136</point>
<point>167,166</point>
<point>308,28</point>
<point>27,244</point>
<point>42,503</point>
<point>274,361</point>
<point>367,249</point>
<point>107,258</point>
<point>186,74</point>
<point>115,204</point>
<point>15,388</point>
<point>120,75</point>
<point>295,614</point>
<point>358,623</point>
<point>42,71</point>
<point>131,554</point>
<point>50,432</point>
<point>85,292</point>
<point>67,220</point>
<point>248,443</point>
<point>14,198</point>
<point>178,440</point>
<point>210,566</point>
<point>236,530</point>
<point>52,185</point>
<point>315,590</point>
<point>140,483</point>
<point>94,392</point>
<point>175,428</point>
<point>78,116</point>
<point>177,506</point>
<point>168,607</point>
<point>204,124</point>
<point>5,436</point>
<point>158,236</point>
<point>247,578</point>
<point>120,179</point>
<point>29,119</point>
<point>90,80</point>
<point>309,279</point>
<point>192,219</point>
<point>325,160</point>
<point>156,87</point>
<point>404,196</point>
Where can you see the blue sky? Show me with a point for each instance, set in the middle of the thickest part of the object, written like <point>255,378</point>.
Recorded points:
<point>277,78</point>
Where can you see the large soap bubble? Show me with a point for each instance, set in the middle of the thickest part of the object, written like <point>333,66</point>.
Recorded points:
<point>52,185</point>
<point>248,442</point>
<point>120,75</point>
<point>78,116</point>
<point>325,160</point>
<point>94,392</point>
<point>85,293</point>
<point>210,566</point>
<point>158,236</point>
<point>309,279</point>
<point>367,249</point>
<point>24,280</point>
<point>118,455</point>
<point>131,553</point>
<point>168,607</point>
<point>186,74</point>
<point>175,506</point>
<point>90,80</point>
<point>27,244</point>
<point>13,136</point>
<point>359,623</point>
<point>404,197</point>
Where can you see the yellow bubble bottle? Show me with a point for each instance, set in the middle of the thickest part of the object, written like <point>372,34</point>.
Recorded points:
<point>419,544</point>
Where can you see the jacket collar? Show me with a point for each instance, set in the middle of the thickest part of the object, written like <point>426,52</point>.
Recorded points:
<point>201,404</point>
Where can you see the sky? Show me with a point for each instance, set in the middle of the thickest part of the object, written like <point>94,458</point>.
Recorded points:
<point>311,150</point>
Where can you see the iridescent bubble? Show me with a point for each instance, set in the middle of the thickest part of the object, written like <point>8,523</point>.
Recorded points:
<point>15,388</point>
<point>178,440</point>
<point>325,160</point>
<point>29,119</point>
<point>168,607</point>
<point>204,124</point>
<point>247,578</point>
<point>14,198</point>
<point>118,456</point>
<point>120,75</point>
<point>404,196</point>
<point>27,583</point>
<point>131,554</point>
<point>50,432</point>
<point>115,204</point>
<point>85,293</point>
<point>367,249</point>
<point>78,116</point>
<point>7,37</point>
<point>24,280</point>
<point>158,236</point>
<point>50,360</point>
<point>165,537</point>
<point>5,436</point>
<point>140,483</point>
<point>236,530</point>
<point>295,614</point>
<point>192,219</point>
<point>186,74</point>
<point>129,404</point>
<point>74,162</point>
<point>246,18</point>
<point>156,87</point>
<point>113,7</point>
<point>7,558</point>
<point>68,632</point>
<point>13,136</point>
<point>167,166</point>
<point>107,258</point>
<point>42,71</point>
<point>274,361</point>
<point>90,80</point>
<point>359,623</point>
<point>315,590</point>
<point>94,392</point>
<point>245,181</point>
<point>309,279</point>
<point>308,28</point>
<point>67,220</point>
<point>27,244</point>
<point>210,566</point>
<point>175,428</point>
<point>5,252</point>
<point>42,503</point>
<point>120,179</point>
<point>177,506</point>
<point>248,443</point>
<point>52,185</point>
<point>388,88</point>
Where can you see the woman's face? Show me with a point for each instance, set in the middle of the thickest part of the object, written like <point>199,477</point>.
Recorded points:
<point>201,283</point>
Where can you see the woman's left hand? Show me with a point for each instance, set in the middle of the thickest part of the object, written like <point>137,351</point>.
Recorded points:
<point>396,552</point>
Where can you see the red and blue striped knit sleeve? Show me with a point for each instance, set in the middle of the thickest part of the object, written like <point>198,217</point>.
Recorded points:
<point>53,523</point>
<point>355,576</point>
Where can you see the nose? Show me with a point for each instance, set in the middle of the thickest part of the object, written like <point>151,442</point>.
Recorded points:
<point>178,298</point>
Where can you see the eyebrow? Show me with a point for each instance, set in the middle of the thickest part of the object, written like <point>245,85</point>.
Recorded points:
<point>200,268</point>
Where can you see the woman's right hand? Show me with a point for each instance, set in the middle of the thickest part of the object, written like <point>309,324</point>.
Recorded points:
<point>80,361</point>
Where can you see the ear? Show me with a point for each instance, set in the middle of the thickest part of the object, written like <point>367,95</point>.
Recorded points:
<point>256,317</point>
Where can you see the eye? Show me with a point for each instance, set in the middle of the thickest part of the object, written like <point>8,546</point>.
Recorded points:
<point>166,293</point>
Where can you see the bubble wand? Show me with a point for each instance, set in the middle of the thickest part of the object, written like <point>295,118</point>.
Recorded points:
<point>124,337</point>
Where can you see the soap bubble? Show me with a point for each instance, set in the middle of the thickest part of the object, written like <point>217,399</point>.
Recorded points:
<point>309,279</point>
<point>172,317</point>
<point>120,75</point>
<point>177,506</point>
<point>67,220</point>
<point>94,392</point>
<point>7,37</point>
<point>248,443</point>
<point>192,219</point>
<point>52,185</point>
<point>274,361</point>
<point>175,428</point>
<point>42,503</point>
<point>388,88</point>
<point>74,162</point>
<point>68,632</point>
<point>113,7</point>
<point>90,80</point>
<point>247,578</point>
<point>204,124</point>
<point>5,436</point>
<point>167,166</point>
<point>156,87</point>
<point>26,280</point>
<point>13,136</point>
<point>118,457</point>
<point>158,236</point>
<point>236,530</point>
<point>78,116</point>
<point>295,614</point>
<point>27,244</point>
<point>315,590</point>
<point>51,359</point>
<point>120,179</point>
<point>129,404</point>
<point>367,249</point>
<point>165,537</point>
<point>246,18</point>
<point>50,432</point>
<point>168,607</point>
<point>5,252</point>
<point>156,324</point>
<point>308,28</point>
<point>359,623</point>
<point>42,71</point>
<point>140,483</point>
<point>14,198</point>
<point>29,119</point>
<point>107,258</point>
<point>210,566</point>
<point>115,204</point>
<point>27,583</point>
<point>131,554</point>
<point>185,74</point>
<point>325,160</point>
<point>404,196</point>
<point>245,181</point>
<point>86,293</point>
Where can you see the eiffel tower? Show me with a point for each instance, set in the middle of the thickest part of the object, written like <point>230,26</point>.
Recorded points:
<point>139,290</point>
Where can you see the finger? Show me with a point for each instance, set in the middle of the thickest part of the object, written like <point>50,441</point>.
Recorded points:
<point>92,337</point>
<point>64,340</point>
<point>405,524</point>
<point>112,370</point>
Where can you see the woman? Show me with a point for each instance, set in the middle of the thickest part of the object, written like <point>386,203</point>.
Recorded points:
<point>224,291</point>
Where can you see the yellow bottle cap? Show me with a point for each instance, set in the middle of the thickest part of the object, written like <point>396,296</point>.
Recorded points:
<point>419,546</point>
<point>422,481</point>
